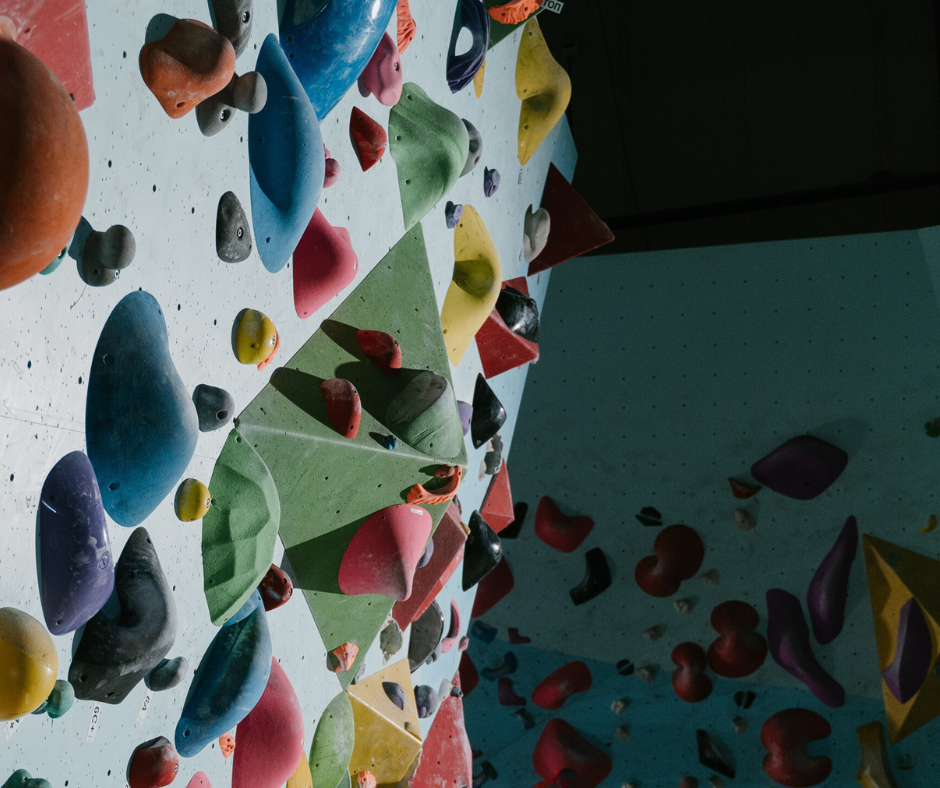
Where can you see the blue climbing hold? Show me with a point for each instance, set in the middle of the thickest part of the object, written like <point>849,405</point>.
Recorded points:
<point>330,44</point>
<point>140,423</point>
<point>229,681</point>
<point>285,153</point>
<point>482,631</point>
<point>390,442</point>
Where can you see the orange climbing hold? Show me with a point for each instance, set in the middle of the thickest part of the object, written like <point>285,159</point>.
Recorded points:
<point>226,745</point>
<point>514,12</point>
<point>419,495</point>
<point>342,657</point>
<point>406,27</point>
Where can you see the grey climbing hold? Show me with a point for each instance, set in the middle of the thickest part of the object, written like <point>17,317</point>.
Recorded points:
<point>622,733</point>
<point>654,632</point>
<point>535,232</point>
<point>744,519</point>
<point>214,407</point>
<point>249,92</point>
<point>425,698</point>
<point>394,693</point>
<point>232,18</point>
<point>476,148</point>
<point>167,674</point>
<point>114,248</point>
<point>711,578</point>
<point>96,275</point>
<point>390,641</point>
<point>647,673</point>
<point>232,232</point>
<point>683,606</point>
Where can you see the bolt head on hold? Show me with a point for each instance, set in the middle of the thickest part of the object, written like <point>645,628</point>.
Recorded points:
<point>192,500</point>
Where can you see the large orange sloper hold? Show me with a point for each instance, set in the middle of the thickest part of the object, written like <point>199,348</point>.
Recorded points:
<point>44,162</point>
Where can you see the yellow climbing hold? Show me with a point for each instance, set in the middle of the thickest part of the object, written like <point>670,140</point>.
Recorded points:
<point>388,739</point>
<point>544,87</point>
<point>478,80</point>
<point>875,769</point>
<point>192,500</point>
<point>475,287</point>
<point>255,338</point>
<point>929,525</point>
<point>28,663</point>
<point>301,777</point>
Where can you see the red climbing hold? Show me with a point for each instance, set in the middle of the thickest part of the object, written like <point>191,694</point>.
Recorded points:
<point>497,505</point>
<point>449,540</point>
<point>561,684</point>
<point>368,138</point>
<point>342,406</point>
<point>679,555</point>
<point>575,229</point>
<point>786,735</point>
<point>275,588</point>
<point>492,589</point>
<point>738,650</point>
<point>558,530</point>
<point>689,681</point>
<point>199,780</point>
<point>383,555</point>
<point>501,348</point>
<point>514,637</point>
<point>382,350</point>
<point>452,636</point>
<point>271,737</point>
<point>154,763</point>
<point>446,757</point>
<point>469,677</point>
<point>324,264</point>
<point>741,489</point>
<point>561,747</point>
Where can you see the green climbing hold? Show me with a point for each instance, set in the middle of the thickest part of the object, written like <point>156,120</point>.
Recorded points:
<point>239,531</point>
<point>333,743</point>
<point>23,779</point>
<point>430,145</point>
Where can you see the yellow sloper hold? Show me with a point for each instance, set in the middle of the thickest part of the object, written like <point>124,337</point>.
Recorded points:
<point>544,87</point>
<point>388,739</point>
<point>896,574</point>
<point>478,80</point>
<point>255,337</point>
<point>874,770</point>
<point>192,500</point>
<point>301,777</point>
<point>472,294</point>
<point>28,663</point>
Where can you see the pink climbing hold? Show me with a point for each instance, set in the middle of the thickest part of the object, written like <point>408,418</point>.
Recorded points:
<point>271,737</point>
<point>343,406</point>
<point>382,350</point>
<point>561,747</point>
<point>324,264</point>
<point>384,553</point>
<point>561,684</point>
<point>383,75</point>
<point>332,169</point>
<point>497,505</point>
<point>199,780</point>
<point>368,138</point>
<point>564,533</point>
<point>452,638</point>
<point>154,763</point>
<point>366,779</point>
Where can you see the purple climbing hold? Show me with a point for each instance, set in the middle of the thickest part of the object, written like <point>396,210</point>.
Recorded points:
<point>465,409</point>
<point>801,468</point>
<point>425,698</point>
<point>426,556</point>
<point>76,568</point>
<point>829,588</point>
<point>452,214</point>
<point>461,69</point>
<point>490,181</point>
<point>395,693</point>
<point>788,639</point>
<point>912,653</point>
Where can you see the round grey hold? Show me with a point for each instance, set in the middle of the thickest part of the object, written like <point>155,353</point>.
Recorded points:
<point>95,274</point>
<point>233,20</point>
<point>215,407</point>
<point>232,233</point>
<point>216,112</point>
<point>249,92</point>
<point>476,148</point>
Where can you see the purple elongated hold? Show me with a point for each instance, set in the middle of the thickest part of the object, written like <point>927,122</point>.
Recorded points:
<point>801,468</point>
<point>788,640</point>
<point>911,662</point>
<point>829,588</point>
<point>490,181</point>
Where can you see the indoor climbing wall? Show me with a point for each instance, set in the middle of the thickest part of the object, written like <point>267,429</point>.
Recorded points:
<point>661,376</point>
<point>103,354</point>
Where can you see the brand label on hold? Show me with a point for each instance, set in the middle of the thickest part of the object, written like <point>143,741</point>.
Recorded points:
<point>93,724</point>
<point>145,707</point>
<point>552,5</point>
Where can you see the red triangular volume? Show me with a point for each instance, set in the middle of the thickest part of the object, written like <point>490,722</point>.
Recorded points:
<point>575,228</point>
<point>501,349</point>
<point>497,505</point>
<point>446,757</point>
<point>492,589</point>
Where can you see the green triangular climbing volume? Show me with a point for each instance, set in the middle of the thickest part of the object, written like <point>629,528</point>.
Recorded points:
<point>329,485</point>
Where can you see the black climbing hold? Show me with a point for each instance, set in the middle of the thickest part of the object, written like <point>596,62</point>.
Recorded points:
<point>519,312</point>
<point>482,553</point>
<point>507,668</point>
<point>233,18</point>
<point>167,674</point>
<point>625,667</point>
<point>649,516</point>
<point>475,150</point>
<point>744,698</point>
<point>523,714</point>
<point>511,531</point>
<point>395,693</point>
<point>596,577</point>
<point>710,757</point>
<point>232,233</point>
<point>493,459</point>
<point>932,428</point>
<point>119,648</point>
<point>488,413</point>
<point>214,407</point>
